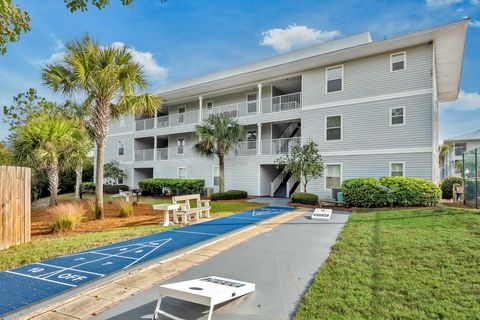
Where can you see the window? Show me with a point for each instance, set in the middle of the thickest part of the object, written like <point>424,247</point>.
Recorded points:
<point>121,148</point>
<point>397,116</point>
<point>182,172</point>
<point>216,176</point>
<point>120,179</point>
<point>333,128</point>
<point>181,114</point>
<point>122,122</point>
<point>209,106</point>
<point>334,77</point>
<point>251,139</point>
<point>180,145</point>
<point>398,61</point>
<point>397,169</point>
<point>333,176</point>
<point>252,102</point>
<point>460,148</point>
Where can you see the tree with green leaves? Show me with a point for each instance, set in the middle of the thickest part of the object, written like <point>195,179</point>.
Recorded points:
<point>113,85</point>
<point>304,163</point>
<point>218,135</point>
<point>113,171</point>
<point>14,21</point>
<point>6,157</point>
<point>46,143</point>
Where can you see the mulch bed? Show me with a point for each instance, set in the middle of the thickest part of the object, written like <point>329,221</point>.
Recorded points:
<point>143,214</point>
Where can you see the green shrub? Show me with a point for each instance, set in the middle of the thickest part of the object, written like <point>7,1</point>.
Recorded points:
<point>88,186</point>
<point>66,216</point>
<point>114,188</point>
<point>174,186</point>
<point>390,191</point>
<point>304,198</point>
<point>447,186</point>
<point>229,195</point>
<point>412,192</point>
<point>126,208</point>
<point>366,193</point>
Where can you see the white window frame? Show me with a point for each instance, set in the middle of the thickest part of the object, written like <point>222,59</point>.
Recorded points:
<point>247,141</point>
<point>326,78</point>
<point>118,148</point>
<point>341,127</point>
<point>256,102</point>
<point>325,176</point>
<point>404,61</point>
<point>178,172</point>
<point>396,162</point>
<point>207,107</point>
<point>122,178</point>
<point>184,114</point>
<point>122,122</point>
<point>213,176</point>
<point>404,116</point>
<point>184,145</point>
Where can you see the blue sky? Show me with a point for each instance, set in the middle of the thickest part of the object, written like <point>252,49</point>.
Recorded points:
<point>182,39</point>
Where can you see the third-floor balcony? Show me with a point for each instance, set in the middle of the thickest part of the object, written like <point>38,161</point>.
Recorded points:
<point>280,103</point>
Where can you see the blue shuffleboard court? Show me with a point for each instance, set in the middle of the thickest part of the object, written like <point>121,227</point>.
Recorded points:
<point>26,285</point>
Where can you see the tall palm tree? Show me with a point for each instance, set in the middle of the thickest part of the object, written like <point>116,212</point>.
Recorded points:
<point>112,84</point>
<point>218,135</point>
<point>46,142</point>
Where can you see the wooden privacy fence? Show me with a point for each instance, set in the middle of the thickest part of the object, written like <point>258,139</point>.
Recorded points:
<point>15,190</point>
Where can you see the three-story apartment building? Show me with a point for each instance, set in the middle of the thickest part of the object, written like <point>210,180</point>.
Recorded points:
<point>371,106</point>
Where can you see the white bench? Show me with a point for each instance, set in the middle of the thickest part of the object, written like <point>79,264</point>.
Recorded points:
<point>185,211</point>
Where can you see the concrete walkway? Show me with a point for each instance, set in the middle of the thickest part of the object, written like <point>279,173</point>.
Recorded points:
<point>281,262</point>
<point>271,201</point>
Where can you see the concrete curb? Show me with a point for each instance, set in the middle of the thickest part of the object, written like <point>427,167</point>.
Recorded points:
<point>100,297</point>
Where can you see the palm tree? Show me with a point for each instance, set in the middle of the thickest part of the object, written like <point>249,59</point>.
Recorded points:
<point>45,142</point>
<point>218,135</point>
<point>110,82</point>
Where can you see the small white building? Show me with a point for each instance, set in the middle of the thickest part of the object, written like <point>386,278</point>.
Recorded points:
<point>452,162</point>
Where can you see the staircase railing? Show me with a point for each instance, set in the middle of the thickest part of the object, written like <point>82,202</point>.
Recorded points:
<point>276,183</point>
<point>287,133</point>
<point>290,183</point>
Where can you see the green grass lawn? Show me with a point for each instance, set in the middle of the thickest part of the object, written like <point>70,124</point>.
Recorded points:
<point>408,264</point>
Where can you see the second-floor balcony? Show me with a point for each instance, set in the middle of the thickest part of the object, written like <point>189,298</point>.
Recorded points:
<point>245,148</point>
<point>285,102</point>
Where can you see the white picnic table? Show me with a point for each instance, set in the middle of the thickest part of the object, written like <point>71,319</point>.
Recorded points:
<point>166,208</point>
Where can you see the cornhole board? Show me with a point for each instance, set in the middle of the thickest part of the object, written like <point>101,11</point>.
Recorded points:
<point>321,214</point>
<point>208,291</point>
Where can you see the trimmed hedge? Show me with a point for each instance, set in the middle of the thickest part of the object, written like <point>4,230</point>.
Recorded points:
<point>304,198</point>
<point>114,188</point>
<point>390,191</point>
<point>366,193</point>
<point>229,195</point>
<point>175,186</point>
<point>447,186</point>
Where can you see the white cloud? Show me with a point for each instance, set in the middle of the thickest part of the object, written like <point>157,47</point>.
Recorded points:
<point>295,36</point>
<point>467,101</point>
<point>474,23</point>
<point>147,60</point>
<point>475,2</point>
<point>442,3</point>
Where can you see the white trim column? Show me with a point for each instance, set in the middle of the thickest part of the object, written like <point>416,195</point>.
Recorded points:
<point>154,147</point>
<point>259,98</point>
<point>200,104</point>
<point>259,138</point>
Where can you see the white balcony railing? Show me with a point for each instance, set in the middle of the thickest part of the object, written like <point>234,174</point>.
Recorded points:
<point>279,146</point>
<point>242,109</point>
<point>175,153</point>
<point>144,155</point>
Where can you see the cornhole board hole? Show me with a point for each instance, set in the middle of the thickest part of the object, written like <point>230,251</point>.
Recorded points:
<point>321,214</point>
<point>209,291</point>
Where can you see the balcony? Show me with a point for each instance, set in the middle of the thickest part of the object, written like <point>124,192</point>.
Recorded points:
<point>144,155</point>
<point>286,102</point>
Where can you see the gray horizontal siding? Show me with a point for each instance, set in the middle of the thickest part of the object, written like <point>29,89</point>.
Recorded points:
<point>371,76</point>
<point>367,126</point>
